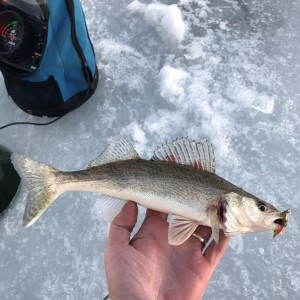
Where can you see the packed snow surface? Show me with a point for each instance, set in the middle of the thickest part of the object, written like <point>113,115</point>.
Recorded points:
<point>223,70</point>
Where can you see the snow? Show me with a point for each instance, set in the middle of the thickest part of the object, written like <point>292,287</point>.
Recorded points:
<point>166,19</point>
<point>222,70</point>
<point>172,83</point>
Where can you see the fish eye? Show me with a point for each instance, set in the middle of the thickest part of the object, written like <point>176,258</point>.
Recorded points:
<point>262,207</point>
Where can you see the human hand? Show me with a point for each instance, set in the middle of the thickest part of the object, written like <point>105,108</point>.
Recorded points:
<point>147,267</point>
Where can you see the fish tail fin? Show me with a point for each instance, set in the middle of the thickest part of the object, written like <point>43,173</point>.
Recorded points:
<point>40,182</point>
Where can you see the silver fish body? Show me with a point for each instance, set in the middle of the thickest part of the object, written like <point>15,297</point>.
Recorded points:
<point>164,186</point>
<point>193,195</point>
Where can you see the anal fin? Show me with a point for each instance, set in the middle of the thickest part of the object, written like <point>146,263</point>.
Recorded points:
<point>110,207</point>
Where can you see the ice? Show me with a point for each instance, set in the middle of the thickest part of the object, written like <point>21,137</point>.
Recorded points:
<point>222,70</point>
<point>137,134</point>
<point>237,244</point>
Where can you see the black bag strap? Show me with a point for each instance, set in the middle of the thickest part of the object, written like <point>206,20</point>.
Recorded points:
<point>85,67</point>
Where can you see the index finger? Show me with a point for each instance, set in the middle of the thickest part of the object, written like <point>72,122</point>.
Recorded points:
<point>151,213</point>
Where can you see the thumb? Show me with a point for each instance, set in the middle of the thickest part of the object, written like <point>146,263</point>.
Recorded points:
<point>122,225</point>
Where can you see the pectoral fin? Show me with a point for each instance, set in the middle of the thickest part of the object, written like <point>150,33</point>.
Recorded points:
<point>180,229</point>
<point>214,223</point>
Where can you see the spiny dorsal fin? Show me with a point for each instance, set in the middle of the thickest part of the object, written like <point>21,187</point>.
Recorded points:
<point>199,154</point>
<point>118,149</point>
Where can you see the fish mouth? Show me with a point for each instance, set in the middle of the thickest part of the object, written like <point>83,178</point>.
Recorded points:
<point>281,222</point>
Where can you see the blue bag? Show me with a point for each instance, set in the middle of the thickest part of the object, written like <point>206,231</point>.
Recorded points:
<point>46,57</point>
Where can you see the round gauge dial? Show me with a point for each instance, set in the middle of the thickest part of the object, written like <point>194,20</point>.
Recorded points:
<point>11,36</point>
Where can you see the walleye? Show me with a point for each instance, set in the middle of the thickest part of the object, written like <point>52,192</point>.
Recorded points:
<point>180,180</point>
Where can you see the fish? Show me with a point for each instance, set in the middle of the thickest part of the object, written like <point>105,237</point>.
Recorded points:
<point>180,179</point>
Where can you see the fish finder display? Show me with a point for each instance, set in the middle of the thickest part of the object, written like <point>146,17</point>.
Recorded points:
<point>11,36</point>
<point>11,33</point>
<point>23,31</point>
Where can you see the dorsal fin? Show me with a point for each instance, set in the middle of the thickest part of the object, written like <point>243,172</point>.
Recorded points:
<point>199,154</point>
<point>118,149</point>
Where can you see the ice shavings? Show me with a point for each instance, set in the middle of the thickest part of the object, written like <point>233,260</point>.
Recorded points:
<point>264,104</point>
<point>194,108</point>
<point>205,114</point>
<point>172,83</point>
<point>223,25</point>
<point>249,98</point>
<point>120,63</point>
<point>211,94</point>
<point>137,134</point>
<point>167,19</point>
